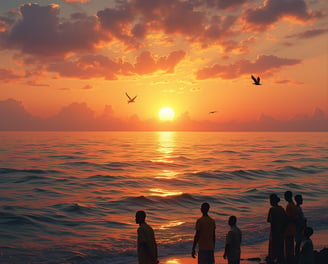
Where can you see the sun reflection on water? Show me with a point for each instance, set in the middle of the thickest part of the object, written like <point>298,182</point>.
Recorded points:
<point>164,193</point>
<point>171,224</point>
<point>166,146</point>
<point>166,174</point>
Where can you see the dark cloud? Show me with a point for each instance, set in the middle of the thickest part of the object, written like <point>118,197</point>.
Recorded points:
<point>223,4</point>
<point>262,17</point>
<point>311,33</point>
<point>118,22</point>
<point>262,64</point>
<point>185,20</point>
<point>40,32</point>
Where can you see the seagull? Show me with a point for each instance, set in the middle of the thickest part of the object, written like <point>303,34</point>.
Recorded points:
<point>212,112</point>
<point>131,100</point>
<point>256,81</point>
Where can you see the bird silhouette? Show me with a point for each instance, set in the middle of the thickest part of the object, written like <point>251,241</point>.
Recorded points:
<point>212,112</point>
<point>131,100</point>
<point>256,80</point>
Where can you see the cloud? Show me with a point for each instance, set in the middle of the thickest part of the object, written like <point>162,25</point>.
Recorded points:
<point>272,11</point>
<point>262,64</point>
<point>100,66</point>
<point>224,4</point>
<point>7,75</point>
<point>87,87</point>
<point>13,116</point>
<point>311,33</point>
<point>75,46</point>
<point>79,117</point>
<point>285,81</point>
<point>40,32</point>
<point>76,1</point>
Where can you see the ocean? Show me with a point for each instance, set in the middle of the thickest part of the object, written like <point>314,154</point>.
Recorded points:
<point>71,197</point>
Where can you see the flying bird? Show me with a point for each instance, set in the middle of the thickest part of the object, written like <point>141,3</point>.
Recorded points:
<point>131,100</point>
<point>212,112</point>
<point>256,80</point>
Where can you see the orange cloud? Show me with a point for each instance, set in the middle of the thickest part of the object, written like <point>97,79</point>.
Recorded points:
<point>8,75</point>
<point>262,64</point>
<point>79,117</point>
<point>100,66</point>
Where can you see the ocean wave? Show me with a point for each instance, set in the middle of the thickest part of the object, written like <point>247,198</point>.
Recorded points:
<point>32,171</point>
<point>11,219</point>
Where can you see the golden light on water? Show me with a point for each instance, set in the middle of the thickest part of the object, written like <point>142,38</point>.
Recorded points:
<point>166,174</point>
<point>172,224</point>
<point>173,261</point>
<point>164,193</point>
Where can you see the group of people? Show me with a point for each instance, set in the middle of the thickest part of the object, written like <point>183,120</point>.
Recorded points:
<point>289,241</point>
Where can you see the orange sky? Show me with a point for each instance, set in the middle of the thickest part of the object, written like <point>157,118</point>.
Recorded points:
<point>194,56</point>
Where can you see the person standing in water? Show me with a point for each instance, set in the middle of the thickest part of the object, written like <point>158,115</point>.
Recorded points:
<point>290,232</point>
<point>278,220</point>
<point>300,224</point>
<point>146,243</point>
<point>232,243</point>
<point>204,237</point>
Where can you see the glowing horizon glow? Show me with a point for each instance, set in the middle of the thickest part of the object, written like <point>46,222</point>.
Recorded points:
<point>166,114</point>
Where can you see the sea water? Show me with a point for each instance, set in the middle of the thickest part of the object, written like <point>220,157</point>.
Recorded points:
<point>71,197</point>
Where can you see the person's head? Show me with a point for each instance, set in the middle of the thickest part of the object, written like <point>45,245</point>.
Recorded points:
<point>308,232</point>
<point>205,208</point>
<point>288,196</point>
<point>298,199</point>
<point>140,217</point>
<point>232,220</point>
<point>274,199</point>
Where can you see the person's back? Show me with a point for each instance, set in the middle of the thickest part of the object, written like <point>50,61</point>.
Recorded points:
<point>233,241</point>
<point>277,219</point>
<point>146,236</point>
<point>146,243</point>
<point>300,224</point>
<point>290,232</point>
<point>292,215</point>
<point>206,226</point>
<point>204,237</point>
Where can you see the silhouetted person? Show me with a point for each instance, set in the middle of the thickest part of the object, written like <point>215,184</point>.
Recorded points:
<point>300,224</point>
<point>306,253</point>
<point>290,232</point>
<point>204,237</point>
<point>146,244</point>
<point>278,220</point>
<point>232,243</point>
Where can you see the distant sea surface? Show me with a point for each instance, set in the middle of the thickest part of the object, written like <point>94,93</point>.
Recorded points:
<point>71,197</point>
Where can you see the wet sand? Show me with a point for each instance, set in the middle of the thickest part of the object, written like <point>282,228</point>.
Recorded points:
<point>260,250</point>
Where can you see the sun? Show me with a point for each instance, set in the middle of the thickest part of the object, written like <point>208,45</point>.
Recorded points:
<point>166,114</point>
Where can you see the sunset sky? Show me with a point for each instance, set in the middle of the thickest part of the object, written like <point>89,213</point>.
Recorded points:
<point>194,56</point>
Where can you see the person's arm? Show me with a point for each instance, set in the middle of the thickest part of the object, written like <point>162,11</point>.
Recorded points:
<point>269,216</point>
<point>227,246</point>
<point>196,238</point>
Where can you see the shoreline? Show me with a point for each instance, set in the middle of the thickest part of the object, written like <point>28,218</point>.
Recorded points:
<point>256,252</point>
